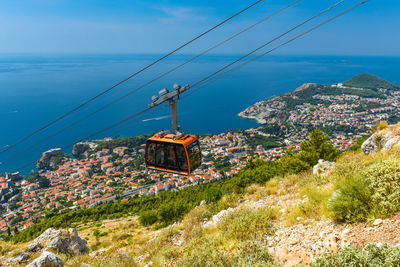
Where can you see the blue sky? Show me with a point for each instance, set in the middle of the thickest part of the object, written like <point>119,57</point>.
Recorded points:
<point>158,26</point>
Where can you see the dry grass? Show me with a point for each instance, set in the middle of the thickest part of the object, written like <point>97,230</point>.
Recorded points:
<point>256,192</point>
<point>127,243</point>
<point>381,125</point>
<point>273,187</point>
<point>192,223</point>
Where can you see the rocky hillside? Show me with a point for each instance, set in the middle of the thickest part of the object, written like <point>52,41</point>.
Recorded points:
<point>348,209</point>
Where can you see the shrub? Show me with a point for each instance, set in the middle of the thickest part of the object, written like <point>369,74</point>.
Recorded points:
<point>192,222</point>
<point>206,252</point>
<point>252,253</point>
<point>352,202</point>
<point>227,201</point>
<point>257,192</point>
<point>209,253</point>
<point>272,186</point>
<point>292,164</point>
<point>357,146</point>
<point>246,223</point>
<point>381,125</point>
<point>371,256</point>
<point>170,212</point>
<point>148,218</point>
<point>114,260</point>
<point>257,171</point>
<point>384,181</point>
<point>212,194</point>
<point>315,206</point>
<point>348,165</point>
<point>164,239</point>
<point>318,147</point>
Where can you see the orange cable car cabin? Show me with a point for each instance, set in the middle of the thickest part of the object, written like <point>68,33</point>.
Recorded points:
<point>167,152</point>
<point>172,151</point>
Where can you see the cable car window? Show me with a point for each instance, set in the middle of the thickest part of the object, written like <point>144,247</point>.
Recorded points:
<point>194,153</point>
<point>170,156</point>
<point>160,155</point>
<point>151,149</point>
<point>181,158</point>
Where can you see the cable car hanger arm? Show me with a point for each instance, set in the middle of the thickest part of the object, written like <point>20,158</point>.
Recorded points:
<point>173,98</point>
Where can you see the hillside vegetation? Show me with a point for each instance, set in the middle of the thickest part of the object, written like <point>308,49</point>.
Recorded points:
<point>369,81</point>
<point>170,206</point>
<point>270,214</point>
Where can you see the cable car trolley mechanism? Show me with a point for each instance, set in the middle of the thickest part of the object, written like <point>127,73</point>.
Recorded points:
<point>172,151</point>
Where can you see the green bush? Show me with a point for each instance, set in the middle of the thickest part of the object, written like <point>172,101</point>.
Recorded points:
<point>291,163</point>
<point>209,253</point>
<point>168,212</point>
<point>352,202</point>
<point>366,190</point>
<point>371,256</point>
<point>148,218</point>
<point>251,253</point>
<point>384,181</point>
<point>212,194</point>
<point>206,252</point>
<point>357,146</point>
<point>246,223</point>
<point>257,171</point>
<point>317,147</point>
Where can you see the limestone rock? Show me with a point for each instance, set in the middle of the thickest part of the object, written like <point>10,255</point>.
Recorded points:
<point>281,253</point>
<point>20,258</point>
<point>64,242</point>
<point>387,146</point>
<point>370,145</point>
<point>77,244</point>
<point>378,222</point>
<point>323,167</point>
<point>333,198</point>
<point>218,217</point>
<point>48,235</point>
<point>384,140</point>
<point>34,247</point>
<point>331,243</point>
<point>47,161</point>
<point>59,245</point>
<point>47,259</point>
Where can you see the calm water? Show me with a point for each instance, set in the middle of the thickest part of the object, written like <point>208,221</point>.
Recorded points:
<point>36,89</point>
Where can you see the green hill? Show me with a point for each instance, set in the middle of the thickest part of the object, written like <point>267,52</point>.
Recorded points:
<point>369,81</point>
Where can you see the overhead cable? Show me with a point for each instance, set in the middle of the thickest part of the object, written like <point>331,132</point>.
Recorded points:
<point>124,80</point>
<point>148,83</point>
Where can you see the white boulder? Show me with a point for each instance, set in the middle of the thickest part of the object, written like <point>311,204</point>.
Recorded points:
<point>380,140</point>
<point>323,167</point>
<point>47,259</point>
<point>218,217</point>
<point>61,241</point>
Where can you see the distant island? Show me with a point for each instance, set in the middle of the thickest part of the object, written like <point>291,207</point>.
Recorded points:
<point>349,108</point>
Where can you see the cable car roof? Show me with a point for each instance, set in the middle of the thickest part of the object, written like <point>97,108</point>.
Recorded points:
<point>185,140</point>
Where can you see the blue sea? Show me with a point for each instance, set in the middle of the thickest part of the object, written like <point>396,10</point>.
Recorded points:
<point>36,89</point>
